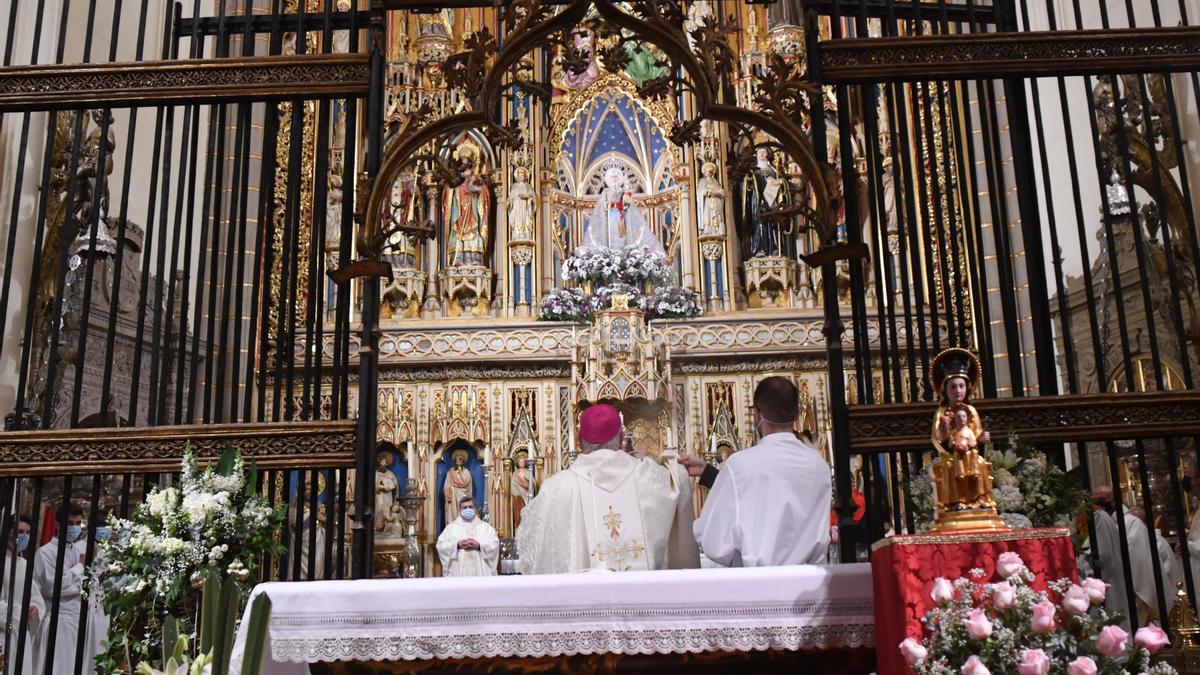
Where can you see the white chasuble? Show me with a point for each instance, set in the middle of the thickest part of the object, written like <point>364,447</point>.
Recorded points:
<point>609,511</point>
<point>458,562</point>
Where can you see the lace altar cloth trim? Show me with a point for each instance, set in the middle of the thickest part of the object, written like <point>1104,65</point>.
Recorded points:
<point>491,645</point>
<point>668,612</point>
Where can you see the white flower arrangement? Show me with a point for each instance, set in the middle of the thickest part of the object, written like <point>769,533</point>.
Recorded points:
<point>979,628</point>
<point>214,521</point>
<point>671,302</point>
<point>566,304</point>
<point>603,266</point>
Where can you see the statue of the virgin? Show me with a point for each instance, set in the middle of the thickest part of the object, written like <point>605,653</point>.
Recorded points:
<point>616,221</point>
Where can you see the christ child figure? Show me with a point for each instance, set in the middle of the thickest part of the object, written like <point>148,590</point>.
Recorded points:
<point>962,440</point>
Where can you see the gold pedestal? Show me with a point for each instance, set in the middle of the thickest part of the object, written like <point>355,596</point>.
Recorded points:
<point>983,518</point>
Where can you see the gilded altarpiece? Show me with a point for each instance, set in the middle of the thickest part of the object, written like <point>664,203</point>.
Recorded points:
<point>470,378</point>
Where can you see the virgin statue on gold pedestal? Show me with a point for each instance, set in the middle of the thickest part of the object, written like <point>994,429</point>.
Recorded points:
<point>962,477</point>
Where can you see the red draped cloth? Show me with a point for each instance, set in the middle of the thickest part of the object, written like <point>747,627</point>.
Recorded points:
<point>904,568</point>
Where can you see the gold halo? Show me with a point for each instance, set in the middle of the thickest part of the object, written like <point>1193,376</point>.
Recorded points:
<point>972,377</point>
<point>459,453</point>
<point>385,454</point>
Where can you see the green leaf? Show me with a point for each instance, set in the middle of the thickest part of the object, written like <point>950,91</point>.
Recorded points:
<point>228,459</point>
<point>170,636</point>
<point>256,635</point>
<point>210,599</point>
<point>251,479</point>
<point>227,611</point>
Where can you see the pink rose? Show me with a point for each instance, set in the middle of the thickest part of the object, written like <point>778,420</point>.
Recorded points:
<point>943,591</point>
<point>1043,617</point>
<point>1095,589</point>
<point>1076,600</point>
<point>1081,666</point>
<point>1151,638</point>
<point>1008,564</point>
<point>977,624</point>
<point>1112,640</point>
<point>1003,595</point>
<point>973,666</point>
<point>913,651</point>
<point>1033,662</point>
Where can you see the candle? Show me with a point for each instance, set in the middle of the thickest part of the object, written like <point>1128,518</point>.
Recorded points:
<point>410,458</point>
<point>670,438</point>
<point>713,446</point>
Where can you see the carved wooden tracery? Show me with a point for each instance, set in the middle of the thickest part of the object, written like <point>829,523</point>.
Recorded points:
<point>532,25</point>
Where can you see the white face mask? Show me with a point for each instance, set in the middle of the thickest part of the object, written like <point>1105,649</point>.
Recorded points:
<point>468,513</point>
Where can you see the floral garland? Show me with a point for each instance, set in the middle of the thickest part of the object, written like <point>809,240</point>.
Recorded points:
<point>1029,490</point>
<point>566,304</point>
<point>979,628</point>
<point>157,560</point>
<point>671,302</point>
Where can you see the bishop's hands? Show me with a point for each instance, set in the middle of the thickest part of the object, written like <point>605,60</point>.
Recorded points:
<point>468,544</point>
<point>693,464</point>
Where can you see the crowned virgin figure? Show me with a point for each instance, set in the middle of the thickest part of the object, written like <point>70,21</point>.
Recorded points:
<point>962,476</point>
<point>616,221</point>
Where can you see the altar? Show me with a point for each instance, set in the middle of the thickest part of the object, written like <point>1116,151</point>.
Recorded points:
<point>748,611</point>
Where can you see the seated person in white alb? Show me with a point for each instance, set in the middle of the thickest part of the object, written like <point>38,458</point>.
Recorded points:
<point>468,546</point>
<point>769,505</point>
<point>610,510</point>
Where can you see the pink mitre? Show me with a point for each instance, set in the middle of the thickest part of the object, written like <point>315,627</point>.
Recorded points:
<point>599,423</point>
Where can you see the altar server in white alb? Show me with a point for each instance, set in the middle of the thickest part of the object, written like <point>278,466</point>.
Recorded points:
<point>770,502</point>
<point>69,598</point>
<point>468,546</point>
<point>611,510</point>
<point>12,596</point>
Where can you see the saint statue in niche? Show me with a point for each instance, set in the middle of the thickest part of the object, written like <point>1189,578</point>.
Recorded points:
<point>458,484</point>
<point>616,221</point>
<point>520,206</point>
<point>520,489</point>
<point>712,201</point>
<point>387,494</point>
<point>467,209</point>
<point>762,190</point>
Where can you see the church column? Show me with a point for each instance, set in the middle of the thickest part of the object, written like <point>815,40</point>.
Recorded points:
<point>688,266</point>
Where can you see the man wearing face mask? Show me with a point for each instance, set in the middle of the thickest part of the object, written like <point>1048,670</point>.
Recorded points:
<point>468,546</point>
<point>11,595</point>
<point>69,597</point>
<point>769,505</point>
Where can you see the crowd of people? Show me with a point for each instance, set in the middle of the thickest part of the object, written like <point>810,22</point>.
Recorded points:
<point>615,508</point>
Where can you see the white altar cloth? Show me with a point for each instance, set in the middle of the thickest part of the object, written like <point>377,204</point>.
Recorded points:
<point>659,612</point>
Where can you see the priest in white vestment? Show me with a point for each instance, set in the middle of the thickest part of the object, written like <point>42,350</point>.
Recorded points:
<point>69,598</point>
<point>770,503</point>
<point>12,593</point>
<point>1141,567</point>
<point>468,546</point>
<point>610,510</point>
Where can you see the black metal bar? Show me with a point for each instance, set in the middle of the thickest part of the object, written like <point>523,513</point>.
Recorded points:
<point>254,24</point>
<point>889,10</point>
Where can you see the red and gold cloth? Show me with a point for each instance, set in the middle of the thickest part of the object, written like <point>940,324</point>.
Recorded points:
<point>903,570</point>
